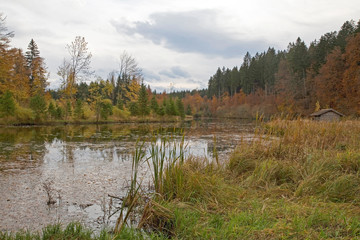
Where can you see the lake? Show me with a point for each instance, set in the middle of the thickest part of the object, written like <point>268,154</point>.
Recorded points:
<point>79,166</point>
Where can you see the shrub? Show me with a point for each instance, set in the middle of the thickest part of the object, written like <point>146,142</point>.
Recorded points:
<point>120,114</point>
<point>23,115</point>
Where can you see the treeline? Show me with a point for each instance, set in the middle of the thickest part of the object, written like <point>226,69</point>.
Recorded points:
<point>24,97</point>
<point>327,72</point>
<point>296,80</point>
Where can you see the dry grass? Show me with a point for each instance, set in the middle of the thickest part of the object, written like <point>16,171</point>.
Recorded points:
<point>303,184</point>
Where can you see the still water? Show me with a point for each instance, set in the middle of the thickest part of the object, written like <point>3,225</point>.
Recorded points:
<point>81,165</point>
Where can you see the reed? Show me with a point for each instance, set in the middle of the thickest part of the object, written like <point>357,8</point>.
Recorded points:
<point>133,194</point>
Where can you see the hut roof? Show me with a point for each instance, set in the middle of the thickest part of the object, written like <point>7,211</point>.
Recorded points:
<point>323,111</point>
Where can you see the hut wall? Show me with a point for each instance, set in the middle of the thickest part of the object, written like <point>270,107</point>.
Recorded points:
<point>329,116</point>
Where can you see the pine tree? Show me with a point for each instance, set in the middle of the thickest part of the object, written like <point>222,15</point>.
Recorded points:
<point>143,107</point>
<point>7,105</point>
<point>154,105</point>
<point>79,111</point>
<point>180,107</point>
<point>188,110</point>
<point>59,112</point>
<point>51,110</point>
<point>38,74</point>
<point>106,108</point>
<point>134,108</point>
<point>38,105</point>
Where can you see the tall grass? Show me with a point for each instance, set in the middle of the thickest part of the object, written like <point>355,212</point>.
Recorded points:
<point>165,157</point>
<point>308,159</point>
<point>133,194</point>
<point>296,179</point>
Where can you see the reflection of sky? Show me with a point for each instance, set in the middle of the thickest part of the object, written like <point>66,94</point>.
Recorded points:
<point>85,154</point>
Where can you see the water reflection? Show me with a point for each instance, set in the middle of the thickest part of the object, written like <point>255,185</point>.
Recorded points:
<point>86,163</point>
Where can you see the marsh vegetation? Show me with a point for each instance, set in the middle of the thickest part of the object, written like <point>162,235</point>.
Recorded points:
<point>294,179</point>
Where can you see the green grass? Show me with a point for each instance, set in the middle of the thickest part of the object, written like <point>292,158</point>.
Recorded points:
<point>75,231</point>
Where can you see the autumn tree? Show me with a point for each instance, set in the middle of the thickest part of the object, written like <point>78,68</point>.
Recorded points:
<point>127,83</point>
<point>6,59</point>
<point>328,83</point>
<point>19,77</point>
<point>77,68</point>
<point>351,77</point>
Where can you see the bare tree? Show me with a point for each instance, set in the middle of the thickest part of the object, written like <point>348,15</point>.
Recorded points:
<point>80,58</point>
<point>128,67</point>
<point>77,68</point>
<point>4,34</point>
<point>128,70</point>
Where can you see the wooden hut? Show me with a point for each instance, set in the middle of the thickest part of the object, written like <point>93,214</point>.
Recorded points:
<point>328,114</point>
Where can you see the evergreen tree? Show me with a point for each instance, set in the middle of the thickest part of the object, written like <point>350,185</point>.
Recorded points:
<point>188,110</point>
<point>133,108</point>
<point>143,107</point>
<point>51,110</point>
<point>38,105</point>
<point>59,112</point>
<point>120,104</point>
<point>180,107</point>
<point>79,111</point>
<point>7,105</point>
<point>154,105</point>
<point>161,110</point>
<point>106,108</point>
<point>170,108</point>
<point>68,110</point>
<point>37,68</point>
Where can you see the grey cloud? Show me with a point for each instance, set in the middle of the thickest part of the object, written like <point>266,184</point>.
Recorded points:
<point>195,82</point>
<point>194,31</point>
<point>178,71</point>
<point>150,76</point>
<point>175,72</point>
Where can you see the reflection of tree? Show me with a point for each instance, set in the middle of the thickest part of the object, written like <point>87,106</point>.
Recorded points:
<point>26,146</point>
<point>22,147</point>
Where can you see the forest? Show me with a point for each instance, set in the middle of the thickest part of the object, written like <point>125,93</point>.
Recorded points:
<point>296,81</point>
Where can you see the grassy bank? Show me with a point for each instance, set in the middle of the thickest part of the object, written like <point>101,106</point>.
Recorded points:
<point>296,180</point>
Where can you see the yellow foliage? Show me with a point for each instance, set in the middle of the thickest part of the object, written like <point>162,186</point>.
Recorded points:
<point>133,90</point>
<point>119,114</point>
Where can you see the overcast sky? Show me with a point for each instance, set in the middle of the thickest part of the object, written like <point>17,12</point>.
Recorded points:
<point>176,43</point>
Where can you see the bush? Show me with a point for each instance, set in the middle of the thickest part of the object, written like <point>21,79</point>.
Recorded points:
<point>23,115</point>
<point>120,114</point>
